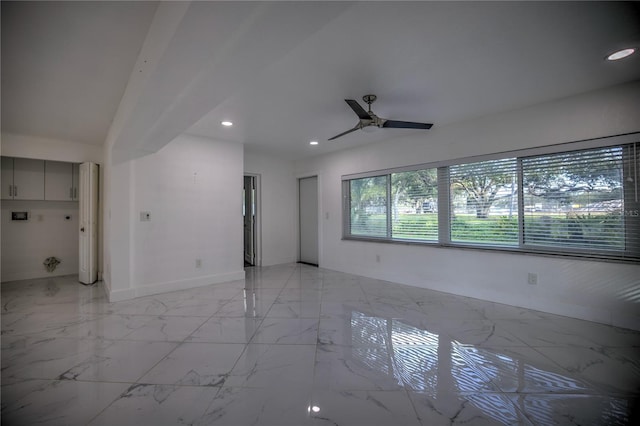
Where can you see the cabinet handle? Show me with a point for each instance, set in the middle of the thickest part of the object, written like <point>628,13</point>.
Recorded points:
<point>15,190</point>
<point>10,190</point>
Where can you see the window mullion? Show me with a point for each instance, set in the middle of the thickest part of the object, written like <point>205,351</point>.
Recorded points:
<point>444,206</point>
<point>389,208</point>
<point>346,209</point>
<point>520,203</point>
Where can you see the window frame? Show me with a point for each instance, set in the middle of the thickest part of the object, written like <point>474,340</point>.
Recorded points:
<point>631,252</point>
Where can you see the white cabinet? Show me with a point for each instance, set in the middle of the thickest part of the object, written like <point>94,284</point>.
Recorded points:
<point>7,178</point>
<point>58,181</point>
<point>22,179</point>
<point>76,181</point>
<point>61,181</point>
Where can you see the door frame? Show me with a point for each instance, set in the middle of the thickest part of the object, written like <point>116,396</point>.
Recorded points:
<point>321,216</point>
<point>257,225</point>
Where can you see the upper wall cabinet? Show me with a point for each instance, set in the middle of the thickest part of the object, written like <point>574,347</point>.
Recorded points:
<point>58,181</point>
<point>22,179</point>
<point>7,178</point>
<point>76,181</point>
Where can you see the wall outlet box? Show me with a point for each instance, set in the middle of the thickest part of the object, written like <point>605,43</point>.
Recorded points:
<point>145,216</point>
<point>198,263</point>
<point>532,278</point>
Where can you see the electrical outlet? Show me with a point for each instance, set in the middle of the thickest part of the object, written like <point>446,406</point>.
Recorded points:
<point>145,216</point>
<point>532,278</point>
<point>377,258</point>
<point>198,263</point>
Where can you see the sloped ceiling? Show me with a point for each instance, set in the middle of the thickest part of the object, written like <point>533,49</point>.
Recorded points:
<point>65,65</point>
<point>281,71</point>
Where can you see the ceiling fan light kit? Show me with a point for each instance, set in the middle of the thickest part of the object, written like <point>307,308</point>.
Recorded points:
<point>368,121</point>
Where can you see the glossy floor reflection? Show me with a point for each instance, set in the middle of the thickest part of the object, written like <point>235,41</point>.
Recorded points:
<point>298,345</point>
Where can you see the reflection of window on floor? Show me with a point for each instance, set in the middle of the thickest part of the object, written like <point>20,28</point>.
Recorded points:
<point>428,362</point>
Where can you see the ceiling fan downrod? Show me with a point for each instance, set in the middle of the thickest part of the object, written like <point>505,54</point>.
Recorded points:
<point>369,99</point>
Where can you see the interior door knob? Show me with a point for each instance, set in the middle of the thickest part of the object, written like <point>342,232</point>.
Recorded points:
<point>82,229</point>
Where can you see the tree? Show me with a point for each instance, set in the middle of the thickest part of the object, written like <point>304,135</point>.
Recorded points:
<point>484,182</point>
<point>594,175</point>
<point>417,187</point>
<point>367,192</point>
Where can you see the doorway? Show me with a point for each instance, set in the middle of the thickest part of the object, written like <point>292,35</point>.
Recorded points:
<point>308,220</point>
<point>249,207</point>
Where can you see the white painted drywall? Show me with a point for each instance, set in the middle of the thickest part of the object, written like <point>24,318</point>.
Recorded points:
<point>26,244</point>
<point>192,189</point>
<point>586,289</point>
<point>25,146</point>
<point>278,207</point>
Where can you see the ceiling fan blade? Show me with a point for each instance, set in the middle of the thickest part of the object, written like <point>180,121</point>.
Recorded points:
<point>406,125</point>
<point>360,112</point>
<point>344,133</point>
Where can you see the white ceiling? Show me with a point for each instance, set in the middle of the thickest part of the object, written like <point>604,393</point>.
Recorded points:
<point>281,71</point>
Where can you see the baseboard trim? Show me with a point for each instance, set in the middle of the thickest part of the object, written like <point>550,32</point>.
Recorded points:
<point>169,286</point>
<point>37,275</point>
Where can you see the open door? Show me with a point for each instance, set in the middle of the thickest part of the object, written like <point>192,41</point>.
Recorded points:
<point>88,200</point>
<point>249,214</point>
<point>308,211</point>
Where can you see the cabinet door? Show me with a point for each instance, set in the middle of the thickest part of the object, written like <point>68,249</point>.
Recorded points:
<point>58,181</point>
<point>7,178</point>
<point>76,181</point>
<point>28,179</point>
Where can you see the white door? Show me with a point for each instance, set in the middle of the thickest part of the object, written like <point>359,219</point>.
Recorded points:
<point>308,210</point>
<point>88,200</point>
<point>249,212</point>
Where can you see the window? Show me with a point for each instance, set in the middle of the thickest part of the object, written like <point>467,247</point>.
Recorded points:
<point>415,205</point>
<point>575,199</point>
<point>579,199</point>
<point>413,197</point>
<point>368,206</point>
<point>484,202</point>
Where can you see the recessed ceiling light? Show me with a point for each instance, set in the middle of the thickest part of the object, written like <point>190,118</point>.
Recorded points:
<point>227,123</point>
<point>620,54</point>
<point>313,143</point>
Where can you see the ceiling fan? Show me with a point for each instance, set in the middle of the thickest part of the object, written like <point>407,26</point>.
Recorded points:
<point>368,118</point>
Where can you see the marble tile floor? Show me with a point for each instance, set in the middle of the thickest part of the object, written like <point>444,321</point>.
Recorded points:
<point>298,345</point>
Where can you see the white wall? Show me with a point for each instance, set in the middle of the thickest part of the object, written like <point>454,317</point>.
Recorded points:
<point>26,244</point>
<point>592,290</point>
<point>49,149</point>
<point>193,189</point>
<point>278,207</point>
